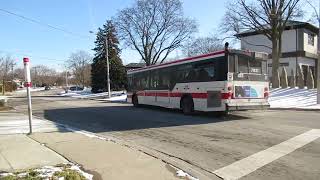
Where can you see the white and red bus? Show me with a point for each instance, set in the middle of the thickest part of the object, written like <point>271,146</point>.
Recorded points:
<point>220,81</point>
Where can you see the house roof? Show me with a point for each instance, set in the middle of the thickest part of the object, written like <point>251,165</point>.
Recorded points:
<point>289,25</point>
<point>135,65</point>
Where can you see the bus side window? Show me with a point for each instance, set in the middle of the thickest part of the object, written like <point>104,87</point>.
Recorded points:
<point>205,71</point>
<point>154,79</point>
<point>203,75</point>
<point>192,75</point>
<point>231,63</point>
<point>173,77</point>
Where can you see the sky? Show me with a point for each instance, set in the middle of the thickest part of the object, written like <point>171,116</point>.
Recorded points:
<point>43,45</point>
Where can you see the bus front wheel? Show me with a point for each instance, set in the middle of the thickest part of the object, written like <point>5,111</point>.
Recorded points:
<point>187,105</point>
<point>135,101</point>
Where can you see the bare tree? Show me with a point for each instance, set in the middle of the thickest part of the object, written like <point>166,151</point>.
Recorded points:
<point>19,73</point>
<point>43,75</point>
<point>79,63</point>
<point>203,45</point>
<point>154,28</point>
<point>6,64</point>
<point>268,17</point>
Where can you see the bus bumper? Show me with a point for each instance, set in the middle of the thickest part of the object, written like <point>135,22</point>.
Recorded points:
<point>260,106</point>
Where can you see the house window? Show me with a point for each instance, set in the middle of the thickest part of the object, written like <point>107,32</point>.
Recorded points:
<point>311,39</point>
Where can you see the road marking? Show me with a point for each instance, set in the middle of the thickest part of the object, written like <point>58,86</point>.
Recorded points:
<point>249,164</point>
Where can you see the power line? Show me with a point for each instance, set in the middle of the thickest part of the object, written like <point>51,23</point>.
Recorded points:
<point>43,24</point>
<point>29,55</point>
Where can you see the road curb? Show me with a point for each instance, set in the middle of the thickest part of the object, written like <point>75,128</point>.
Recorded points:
<point>294,109</point>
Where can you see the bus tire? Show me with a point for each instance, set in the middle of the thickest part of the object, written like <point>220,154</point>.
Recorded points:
<point>187,105</point>
<point>135,101</point>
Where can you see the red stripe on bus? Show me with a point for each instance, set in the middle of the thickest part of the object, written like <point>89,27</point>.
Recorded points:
<point>174,94</point>
<point>150,94</point>
<point>199,95</point>
<point>163,94</point>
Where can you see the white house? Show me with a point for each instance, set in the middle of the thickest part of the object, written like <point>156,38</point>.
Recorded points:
<point>299,46</point>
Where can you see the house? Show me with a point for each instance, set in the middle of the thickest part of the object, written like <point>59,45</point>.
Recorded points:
<point>131,66</point>
<point>299,46</point>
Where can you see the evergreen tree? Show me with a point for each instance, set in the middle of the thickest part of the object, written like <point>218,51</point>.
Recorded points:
<point>99,65</point>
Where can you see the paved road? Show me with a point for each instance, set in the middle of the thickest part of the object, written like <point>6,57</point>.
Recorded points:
<point>205,143</point>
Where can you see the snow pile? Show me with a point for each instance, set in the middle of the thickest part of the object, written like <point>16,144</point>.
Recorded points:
<point>182,174</point>
<point>4,98</point>
<point>116,98</point>
<point>294,98</point>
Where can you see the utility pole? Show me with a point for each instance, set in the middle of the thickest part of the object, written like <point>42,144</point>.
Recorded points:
<point>35,76</point>
<point>318,68</point>
<point>67,81</point>
<point>13,64</point>
<point>108,66</point>
<point>107,57</point>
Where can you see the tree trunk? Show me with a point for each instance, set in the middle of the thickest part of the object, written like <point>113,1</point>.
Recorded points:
<point>275,63</point>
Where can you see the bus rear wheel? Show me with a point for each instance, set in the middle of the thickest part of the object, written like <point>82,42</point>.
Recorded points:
<point>135,101</point>
<point>187,105</point>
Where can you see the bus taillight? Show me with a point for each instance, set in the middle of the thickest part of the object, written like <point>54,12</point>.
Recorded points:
<point>227,95</point>
<point>266,93</point>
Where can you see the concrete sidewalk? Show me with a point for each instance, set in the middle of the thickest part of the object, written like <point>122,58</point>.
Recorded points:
<point>19,152</point>
<point>106,159</point>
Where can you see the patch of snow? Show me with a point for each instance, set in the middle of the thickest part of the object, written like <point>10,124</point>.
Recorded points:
<point>86,93</point>
<point>119,98</point>
<point>294,98</point>
<point>181,173</point>
<point>5,174</point>
<point>86,175</point>
<point>47,172</point>
<point>32,89</point>
<point>3,97</point>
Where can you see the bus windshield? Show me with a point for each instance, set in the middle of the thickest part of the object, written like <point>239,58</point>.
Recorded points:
<point>247,64</point>
<point>247,67</point>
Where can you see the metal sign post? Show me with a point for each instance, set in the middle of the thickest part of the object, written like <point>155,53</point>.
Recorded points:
<point>28,84</point>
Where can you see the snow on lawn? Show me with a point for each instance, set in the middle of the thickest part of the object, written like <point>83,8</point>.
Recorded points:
<point>86,93</point>
<point>116,98</point>
<point>63,171</point>
<point>294,98</point>
<point>32,89</point>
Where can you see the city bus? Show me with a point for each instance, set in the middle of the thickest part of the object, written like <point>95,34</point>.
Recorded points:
<point>225,80</point>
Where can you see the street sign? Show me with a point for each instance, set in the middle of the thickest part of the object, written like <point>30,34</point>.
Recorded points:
<point>28,85</point>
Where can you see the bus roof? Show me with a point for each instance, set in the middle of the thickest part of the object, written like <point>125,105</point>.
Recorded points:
<point>171,63</point>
